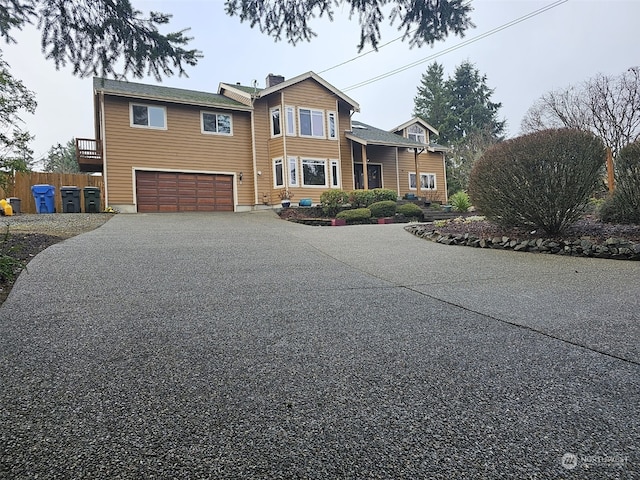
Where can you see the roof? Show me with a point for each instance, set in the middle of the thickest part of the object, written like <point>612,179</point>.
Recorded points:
<point>263,92</point>
<point>368,135</point>
<point>413,121</point>
<point>165,94</point>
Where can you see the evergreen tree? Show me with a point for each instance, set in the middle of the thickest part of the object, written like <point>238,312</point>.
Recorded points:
<point>62,159</point>
<point>460,108</point>
<point>432,100</point>
<point>423,21</point>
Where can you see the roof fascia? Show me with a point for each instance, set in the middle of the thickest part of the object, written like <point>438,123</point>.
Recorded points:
<point>225,86</point>
<point>415,120</point>
<point>173,100</point>
<point>320,80</point>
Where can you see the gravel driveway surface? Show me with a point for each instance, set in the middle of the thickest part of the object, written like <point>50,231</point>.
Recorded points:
<point>200,346</point>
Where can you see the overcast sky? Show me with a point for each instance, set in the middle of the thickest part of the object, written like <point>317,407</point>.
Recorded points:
<point>565,45</point>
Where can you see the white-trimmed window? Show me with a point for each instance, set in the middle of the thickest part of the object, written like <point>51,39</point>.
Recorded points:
<point>335,174</point>
<point>290,120</point>
<point>311,122</point>
<point>148,116</point>
<point>427,181</point>
<point>293,172</point>
<point>332,126</point>
<point>276,126</point>
<point>417,133</point>
<point>278,172</point>
<point>217,123</point>
<point>314,172</point>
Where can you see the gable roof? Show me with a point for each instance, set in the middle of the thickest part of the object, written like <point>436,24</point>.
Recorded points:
<point>413,121</point>
<point>247,92</point>
<point>165,94</point>
<point>368,135</point>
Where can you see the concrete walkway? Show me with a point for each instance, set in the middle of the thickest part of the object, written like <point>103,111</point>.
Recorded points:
<point>242,346</point>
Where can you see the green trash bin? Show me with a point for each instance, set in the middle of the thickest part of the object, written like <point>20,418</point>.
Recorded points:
<point>91,199</point>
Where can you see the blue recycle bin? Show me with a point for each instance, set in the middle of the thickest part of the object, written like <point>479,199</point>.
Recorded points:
<point>44,198</point>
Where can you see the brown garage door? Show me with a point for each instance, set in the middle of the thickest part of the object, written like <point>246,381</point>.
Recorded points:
<point>184,192</point>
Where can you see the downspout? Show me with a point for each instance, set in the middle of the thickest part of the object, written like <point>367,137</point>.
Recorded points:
<point>418,178</point>
<point>397,174</point>
<point>103,139</point>
<point>446,184</point>
<point>253,154</point>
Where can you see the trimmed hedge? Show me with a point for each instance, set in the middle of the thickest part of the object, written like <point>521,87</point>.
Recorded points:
<point>542,180</point>
<point>333,200</point>
<point>386,208</point>
<point>364,198</point>
<point>410,210</point>
<point>624,205</point>
<point>355,215</point>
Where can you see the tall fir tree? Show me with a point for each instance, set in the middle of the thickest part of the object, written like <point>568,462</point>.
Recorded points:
<point>62,158</point>
<point>462,111</point>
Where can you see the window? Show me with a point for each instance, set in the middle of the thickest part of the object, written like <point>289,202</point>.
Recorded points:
<point>148,116</point>
<point>293,172</point>
<point>331,117</point>
<point>427,181</point>
<point>278,174</point>
<point>275,122</point>
<point>335,174</point>
<point>219,123</point>
<point>290,121</point>
<point>311,122</point>
<point>417,133</point>
<point>314,173</point>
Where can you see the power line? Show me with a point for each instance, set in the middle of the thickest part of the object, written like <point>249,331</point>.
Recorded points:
<point>450,49</point>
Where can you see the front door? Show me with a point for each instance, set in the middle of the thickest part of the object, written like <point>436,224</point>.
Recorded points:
<point>374,175</point>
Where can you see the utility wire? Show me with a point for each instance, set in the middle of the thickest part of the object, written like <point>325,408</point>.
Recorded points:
<point>448,50</point>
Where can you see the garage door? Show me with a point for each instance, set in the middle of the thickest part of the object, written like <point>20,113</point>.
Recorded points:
<point>183,192</point>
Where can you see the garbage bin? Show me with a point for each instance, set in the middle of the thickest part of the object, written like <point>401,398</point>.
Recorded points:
<point>43,195</point>
<point>15,204</point>
<point>70,199</point>
<point>91,200</point>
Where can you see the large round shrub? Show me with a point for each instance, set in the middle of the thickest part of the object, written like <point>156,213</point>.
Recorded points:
<point>410,210</point>
<point>542,180</point>
<point>357,215</point>
<point>386,208</point>
<point>624,205</point>
<point>333,200</point>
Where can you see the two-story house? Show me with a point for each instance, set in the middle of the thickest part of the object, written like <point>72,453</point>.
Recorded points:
<point>164,149</point>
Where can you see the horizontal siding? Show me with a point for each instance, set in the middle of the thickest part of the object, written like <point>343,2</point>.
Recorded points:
<point>429,162</point>
<point>180,147</point>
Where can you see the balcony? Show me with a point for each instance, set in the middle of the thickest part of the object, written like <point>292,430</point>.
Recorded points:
<point>89,154</point>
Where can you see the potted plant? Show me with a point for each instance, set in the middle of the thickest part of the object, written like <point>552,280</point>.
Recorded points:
<point>285,196</point>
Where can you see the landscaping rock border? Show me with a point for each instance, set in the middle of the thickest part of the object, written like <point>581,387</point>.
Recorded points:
<point>613,247</point>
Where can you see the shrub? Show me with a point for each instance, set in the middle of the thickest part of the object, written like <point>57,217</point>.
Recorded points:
<point>460,201</point>
<point>623,206</point>
<point>410,210</point>
<point>541,180</point>
<point>357,215</point>
<point>361,198</point>
<point>384,194</point>
<point>386,208</point>
<point>333,200</point>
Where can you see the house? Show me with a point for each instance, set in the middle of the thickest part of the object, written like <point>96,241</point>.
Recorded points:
<point>166,149</point>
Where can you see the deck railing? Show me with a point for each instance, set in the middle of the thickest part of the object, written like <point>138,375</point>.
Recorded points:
<point>89,154</point>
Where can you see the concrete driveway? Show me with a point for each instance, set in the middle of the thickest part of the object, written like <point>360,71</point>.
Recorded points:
<point>241,346</point>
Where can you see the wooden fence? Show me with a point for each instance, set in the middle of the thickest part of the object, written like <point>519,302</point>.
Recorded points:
<point>22,182</point>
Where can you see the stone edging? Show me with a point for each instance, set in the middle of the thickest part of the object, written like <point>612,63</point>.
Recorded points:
<point>615,248</point>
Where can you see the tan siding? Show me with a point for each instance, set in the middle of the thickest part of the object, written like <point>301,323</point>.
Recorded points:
<point>181,147</point>
<point>429,162</point>
<point>346,156</point>
<point>387,157</point>
<point>263,156</point>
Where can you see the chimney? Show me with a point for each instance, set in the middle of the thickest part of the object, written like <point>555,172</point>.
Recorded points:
<point>274,80</point>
